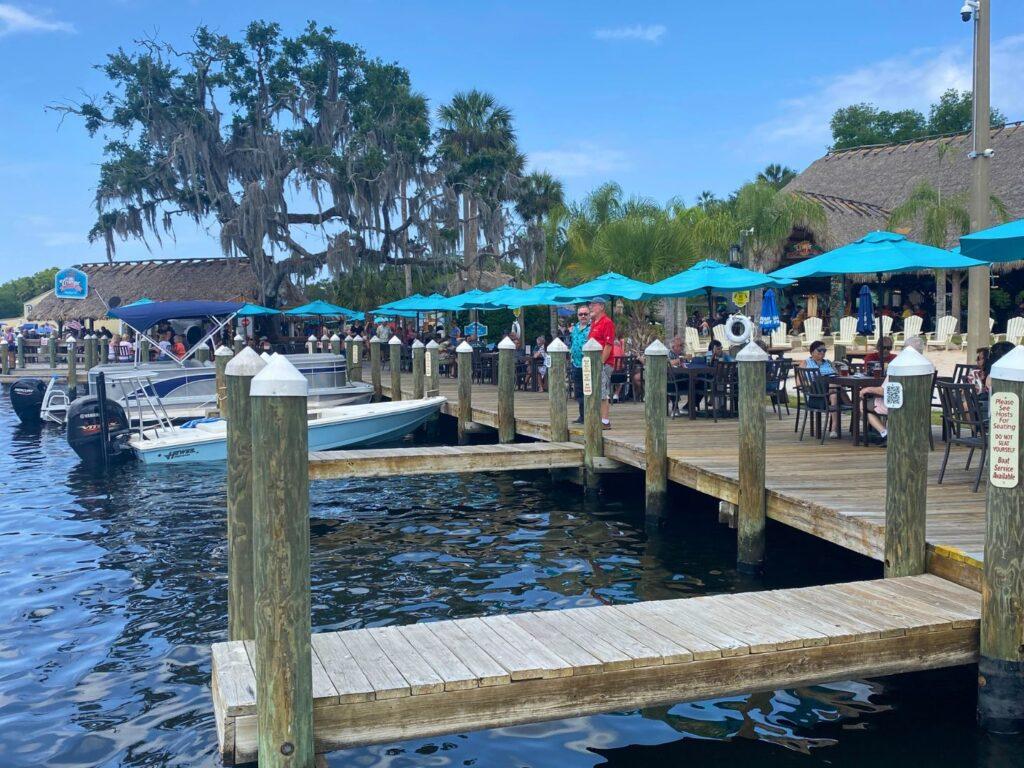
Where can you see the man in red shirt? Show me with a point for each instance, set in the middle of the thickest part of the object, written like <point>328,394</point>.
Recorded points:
<point>602,330</point>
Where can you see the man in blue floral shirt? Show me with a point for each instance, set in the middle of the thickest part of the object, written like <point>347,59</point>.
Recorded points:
<point>578,336</point>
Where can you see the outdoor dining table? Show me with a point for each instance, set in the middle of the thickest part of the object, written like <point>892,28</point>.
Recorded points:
<point>691,374</point>
<point>855,383</point>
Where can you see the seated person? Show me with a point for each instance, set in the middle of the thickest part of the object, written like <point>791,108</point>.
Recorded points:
<point>884,347</point>
<point>874,402</point>
<point>817,361</point>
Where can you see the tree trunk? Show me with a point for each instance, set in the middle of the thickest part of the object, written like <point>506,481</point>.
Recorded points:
<point>956,277</point>
<point>669,316</point>
<point>682,317</point>
<point>407,267</point>
<point>837,302</point>
<point>469,242</point>
<point>553,321</point>
<point>940,295</point>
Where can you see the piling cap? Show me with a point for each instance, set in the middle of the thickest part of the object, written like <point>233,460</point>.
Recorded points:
<point>70,339</point>
<point>417,344</point>
<point>464,347</point>
<point>752,353</point>
<point>245,363</point>
<point>239,337</point>
<point>432,344</point>
<point>375,339</point>
<point>395,340</point>
<point>265,357</point>
<point>325,337</point>
<point>910,362</point>
<point>335,337</point>
<point>506,343</point>
<point>348,337</point>
<point>656,349</point>
<point>358,338</point>
<point>279,379</point>
<point>592,345</point>
<point>223,351</point>
<point>1010,367</point>
<point>311,338</point>
<point>557,345</point>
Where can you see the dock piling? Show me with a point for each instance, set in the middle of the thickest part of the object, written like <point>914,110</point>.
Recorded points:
<point>750,524</point>
<point>655,430</point>
<point>5,362</point>
<point>89,352</point>
<point>906,473</point>
<point>506,391</point>
<point>72,367</point>
<point>356,366</point>
<point>51,350</point>
<point>557,392</point>
<point>335,344</point>
<point>238,375</point>
<point>464,353</point>
<point>431,366</point>
<point>203,354</point>
<point>417,369</point>
<point>19,340</point>
<point>144,346</point>
<point>238,342</point>
<point>593,439</point>
<point>283,665</point>
<point>325,343</point>
<point>375,368</point>
<point>311,344</point>
<point>395,364</point>
<point>1001,667</point>
<point>102,350</point>
<point>221,357</point>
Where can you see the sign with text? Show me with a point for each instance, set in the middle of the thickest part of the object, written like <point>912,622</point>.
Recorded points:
<point>71,283</point>
<point>588,378</point>
<point>893,395</point>
<point>476,329</point>
<point>428,362</point>
<point>355,354</point>
<point>1004,440</point>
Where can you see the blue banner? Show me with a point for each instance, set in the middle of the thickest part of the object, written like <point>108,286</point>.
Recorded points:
<point>71,283</point>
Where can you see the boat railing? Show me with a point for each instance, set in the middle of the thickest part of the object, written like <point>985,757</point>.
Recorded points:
<point>137,393</point>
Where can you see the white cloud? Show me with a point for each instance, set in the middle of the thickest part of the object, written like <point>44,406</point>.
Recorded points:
<point>14,19</point>
<point>583,159</point>
<point>647,33</point>
<point>914,80</point>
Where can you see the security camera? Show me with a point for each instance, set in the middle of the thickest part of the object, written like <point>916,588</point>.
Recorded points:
<point>968,9</point>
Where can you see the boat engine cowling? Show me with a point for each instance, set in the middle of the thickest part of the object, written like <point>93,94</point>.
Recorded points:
<point>85,432</point>
<point>27,399</point>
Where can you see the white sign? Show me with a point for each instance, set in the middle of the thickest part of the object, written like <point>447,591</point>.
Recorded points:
<point>1004,440</point>
<point>588,379</point>
<point>355,354</point>
<point>428,359</point>
<point>893,395</point>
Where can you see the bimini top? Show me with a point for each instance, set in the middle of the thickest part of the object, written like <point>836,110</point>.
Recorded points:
<point>143,316</point>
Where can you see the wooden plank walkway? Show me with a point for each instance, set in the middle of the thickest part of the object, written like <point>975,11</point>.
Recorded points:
<point>400,682</point>
<point>834,491</point>
<point>388,462</point>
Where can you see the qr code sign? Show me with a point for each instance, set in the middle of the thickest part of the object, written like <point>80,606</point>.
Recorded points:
<point>893,395</point>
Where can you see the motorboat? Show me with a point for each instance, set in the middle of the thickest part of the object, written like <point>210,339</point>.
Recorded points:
<point>340,427</point>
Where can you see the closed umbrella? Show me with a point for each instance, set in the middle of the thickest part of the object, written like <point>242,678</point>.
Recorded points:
<point>865,312</point>
<point>769,312</point>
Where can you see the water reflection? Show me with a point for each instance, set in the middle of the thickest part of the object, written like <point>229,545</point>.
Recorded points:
<point>113,588</point>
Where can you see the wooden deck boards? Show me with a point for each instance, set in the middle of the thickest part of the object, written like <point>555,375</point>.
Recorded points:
<point>397,682</point>
<point>835,490</point>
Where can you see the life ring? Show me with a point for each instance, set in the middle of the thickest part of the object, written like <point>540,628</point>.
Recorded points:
<point>738,329</point>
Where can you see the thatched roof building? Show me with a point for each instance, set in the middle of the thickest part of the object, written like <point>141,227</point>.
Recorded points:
<point>215,279</point>
<point>858,188</point>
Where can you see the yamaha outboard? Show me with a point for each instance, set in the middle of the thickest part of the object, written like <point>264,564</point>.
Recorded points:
<point>98,428</point>
<point>27,399</point>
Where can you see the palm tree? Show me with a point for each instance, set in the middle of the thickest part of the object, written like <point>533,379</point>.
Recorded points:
<point>776,175</point>
<point>707,200</point>
<point>477,146</point>
<point>768,216</point>
<point>537,196</point>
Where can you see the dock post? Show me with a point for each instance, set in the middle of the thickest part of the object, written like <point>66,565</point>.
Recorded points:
<point>284,676</point>
<point>395,363</point>
<point>238,343</point>
<point>221,357</point>
<point>356,366</point>
<point>5,362</point>
<point>335,344</point>
<point>144,346</point>
<point>238,412</point>
<point>72,367</point>
<point>203,354</point>
<point>557,393</point>
<point>464,353</point>
<point>417,370</point>
<point>752,362</point>
<point>311,344</point>
<point>906,465</point>
<point>102,350</point>
<point>375,368</point>
<point>593,439</point>
<point>431,367</point>
<point>325,343</point>
<point>88,353</point>
<point>1001,667</point>
<point>656,430</point>
<point>506,390</point>
<point>51,349</point>
<point>19,340</point>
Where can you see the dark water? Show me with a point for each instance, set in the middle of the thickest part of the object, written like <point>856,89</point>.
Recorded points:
<point>112,589</point>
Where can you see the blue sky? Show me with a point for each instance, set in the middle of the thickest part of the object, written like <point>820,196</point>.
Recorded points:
<point>665,98</point>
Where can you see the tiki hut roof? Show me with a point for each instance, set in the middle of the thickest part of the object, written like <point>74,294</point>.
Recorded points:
<point>859,187</point>
<point>216,279</point>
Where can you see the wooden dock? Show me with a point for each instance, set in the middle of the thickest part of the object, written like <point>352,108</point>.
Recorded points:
<point>834,491</point>
<point>399,682</point>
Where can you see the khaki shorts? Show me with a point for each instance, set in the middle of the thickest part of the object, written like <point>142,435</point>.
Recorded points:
<point>606,381</point>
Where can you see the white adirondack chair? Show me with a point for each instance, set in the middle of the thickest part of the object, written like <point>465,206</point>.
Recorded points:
<point>812,331</point>
<point>718,332</point>
<point>847,330</point>
<point>911,327</point>
<point>780,338</point>
<point>883,324</point>
<point>692,340</point>
<point>945,328</point>
<point>1014,330</point>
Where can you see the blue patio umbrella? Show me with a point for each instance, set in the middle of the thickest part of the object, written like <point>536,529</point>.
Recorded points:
<point>541,294</point>
<point>769,312</point>
<point>608,284</point>
<point>255,310</point>
<point>458,302</point>
<point>435,302</point>
<point>1001,243</point>
<point>491,299</point>
<point>711,275</point>
<point>865,312</point>
<point>321,308</point>
<point>140,302</point>
<point>398,305</point>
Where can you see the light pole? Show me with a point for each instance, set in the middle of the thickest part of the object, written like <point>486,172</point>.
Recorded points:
<point>981,155</point>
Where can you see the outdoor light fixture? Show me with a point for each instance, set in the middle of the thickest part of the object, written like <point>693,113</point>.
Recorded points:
<point>735,255</point>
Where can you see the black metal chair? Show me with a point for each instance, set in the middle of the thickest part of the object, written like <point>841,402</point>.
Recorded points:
<point>721,390</point>
<point>818,402</point>
<point>965,422</point>
<point>776,376</point>
<point>961,371</point>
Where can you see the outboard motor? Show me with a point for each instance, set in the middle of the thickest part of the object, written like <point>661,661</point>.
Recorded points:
<point>27,399</point>
<point>96,443</point>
